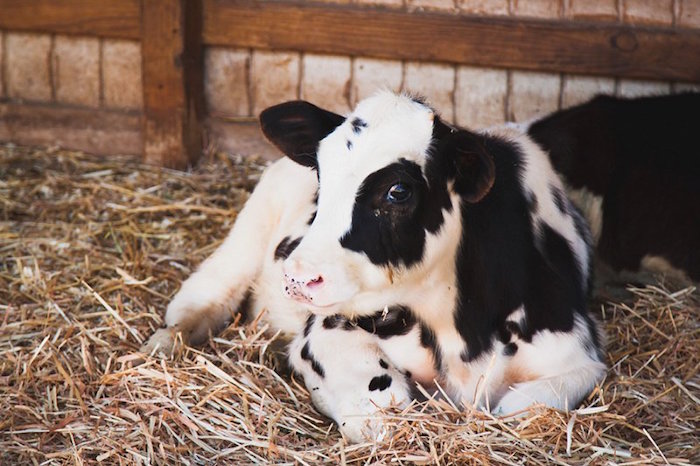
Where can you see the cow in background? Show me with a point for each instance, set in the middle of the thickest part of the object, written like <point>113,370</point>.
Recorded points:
<point>633,167</point>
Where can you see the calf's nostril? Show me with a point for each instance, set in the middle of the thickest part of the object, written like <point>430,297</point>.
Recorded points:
<point>315,282</point>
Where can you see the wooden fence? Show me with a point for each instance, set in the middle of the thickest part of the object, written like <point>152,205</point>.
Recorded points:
<point>173,33</point>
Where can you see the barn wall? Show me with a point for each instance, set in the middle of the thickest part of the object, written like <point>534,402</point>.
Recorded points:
<point>87,73</point>
<point>77,71</point>
<point>77,92</point>
<point>240,83</point>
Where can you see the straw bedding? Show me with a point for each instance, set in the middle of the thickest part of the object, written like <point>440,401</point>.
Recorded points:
<point>90,252</point>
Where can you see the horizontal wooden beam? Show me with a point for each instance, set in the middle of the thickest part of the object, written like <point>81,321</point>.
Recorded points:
<point>555,46</point>
<point>595,48</point>
<point>102,18</point>
<point>94,131</point>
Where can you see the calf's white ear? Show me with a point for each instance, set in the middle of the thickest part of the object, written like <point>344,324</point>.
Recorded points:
<point>475,171</point>
<point>297,127</point>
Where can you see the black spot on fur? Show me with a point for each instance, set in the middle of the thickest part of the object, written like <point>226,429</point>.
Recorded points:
<point>349,325</point>
<point>332,322</point>
<point>313,215</point>
<point>559,199</point>
<point>513,328</point>
<point>357,125</point>
<point>309,323</point>
<point>286,247</point>
<point>315,365</point>
<point>312,218</point>
<point>383,364</point>
<point>381,383</point>
<point>427,340</point>
<point>348,144</point>
<point>510,349</point>
<point>398,320</point>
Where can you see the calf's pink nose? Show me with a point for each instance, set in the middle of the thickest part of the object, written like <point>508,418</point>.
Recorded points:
<point>296,271</point>
<point>300,281</point>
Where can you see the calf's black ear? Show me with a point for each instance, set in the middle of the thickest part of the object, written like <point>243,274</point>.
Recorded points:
<point>297,127</point>
<point>475,171</point>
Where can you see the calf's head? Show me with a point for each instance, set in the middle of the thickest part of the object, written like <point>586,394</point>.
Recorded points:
<point>391,179</point>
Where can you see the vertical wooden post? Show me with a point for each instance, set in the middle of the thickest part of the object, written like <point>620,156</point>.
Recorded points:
<point>171,38</point>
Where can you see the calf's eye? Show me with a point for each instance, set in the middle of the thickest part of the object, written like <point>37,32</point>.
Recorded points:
<point>398,193</point>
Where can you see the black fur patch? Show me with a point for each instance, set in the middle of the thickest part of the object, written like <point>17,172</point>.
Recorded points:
<point>313,215</point>
<point>315,365</point>
<point>357,125</point>
<point>427,340</point>
<point>309,323</point>
<point>383,364</point>
<point>332,322</point>
<point>509,330</point>
<point>286,247</point>
<point>312,218</point>
<point>348,144</point>
<point>510,349</point>
<point>349,325</point>
<point>395,233</point>
<point>381,383</point>
<point>559,199</point>
<point>399,320</point>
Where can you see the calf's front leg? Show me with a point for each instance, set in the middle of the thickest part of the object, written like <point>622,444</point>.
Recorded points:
<point>208,299</point>
<point>349,378</point>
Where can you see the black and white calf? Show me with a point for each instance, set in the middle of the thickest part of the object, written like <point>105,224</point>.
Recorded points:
<point>634,168</point>
<point>395,249</point>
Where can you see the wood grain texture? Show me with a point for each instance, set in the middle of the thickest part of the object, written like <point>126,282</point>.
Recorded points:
<point>595,48</point>
<point>103,18</point>
<point>172,81</point>
<point>94,131</point>
<point>542,45</point>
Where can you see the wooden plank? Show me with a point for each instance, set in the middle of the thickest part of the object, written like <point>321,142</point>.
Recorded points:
<point>559,46</point>
<point>103,18</point>
<point>556,46</point>
<point>172,81</point>
<point>240,137</point>
<point>95,131</point>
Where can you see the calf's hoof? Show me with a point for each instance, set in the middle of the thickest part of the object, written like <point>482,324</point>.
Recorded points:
<point>161,342</point>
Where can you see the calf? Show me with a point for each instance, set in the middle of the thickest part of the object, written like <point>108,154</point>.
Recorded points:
<point>395,249</point>
<point>634,169</point>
